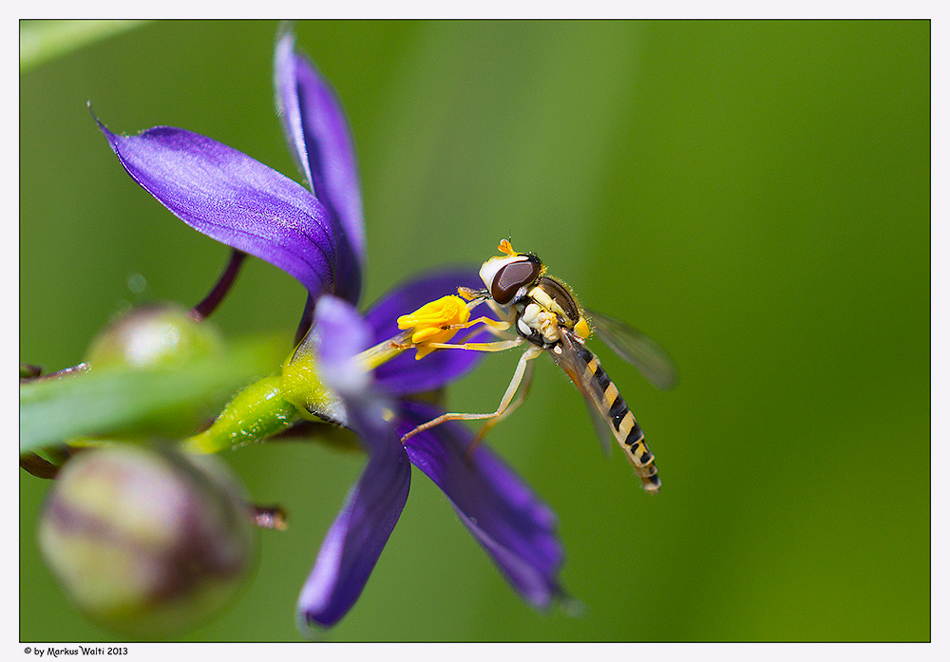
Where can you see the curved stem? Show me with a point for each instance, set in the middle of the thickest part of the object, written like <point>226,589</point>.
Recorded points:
<point>306,321</point>
<point>256,412</point>
<point>38,466</point>
<point>221,288</point>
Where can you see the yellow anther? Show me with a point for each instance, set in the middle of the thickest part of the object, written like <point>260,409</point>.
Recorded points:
<point>435,322</point>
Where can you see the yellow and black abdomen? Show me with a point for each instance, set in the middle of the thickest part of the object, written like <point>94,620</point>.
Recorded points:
<point>622,422</point>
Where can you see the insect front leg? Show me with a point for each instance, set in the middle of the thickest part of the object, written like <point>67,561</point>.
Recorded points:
<point>492,324</point>
<point>497,346</point>
<point>506,400</point>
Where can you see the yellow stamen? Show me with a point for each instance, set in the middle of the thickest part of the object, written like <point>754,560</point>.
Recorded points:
<point>435,322</point>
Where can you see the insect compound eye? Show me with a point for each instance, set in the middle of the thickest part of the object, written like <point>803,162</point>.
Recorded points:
<point>513,276</point>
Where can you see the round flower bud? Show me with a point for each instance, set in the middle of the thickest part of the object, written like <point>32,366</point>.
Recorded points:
<point>153,336</point>
<point>158,336</point>
<point>147,541</point>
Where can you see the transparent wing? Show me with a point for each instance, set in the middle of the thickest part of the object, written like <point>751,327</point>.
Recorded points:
<point>570,361</point>
<point>636,348</point>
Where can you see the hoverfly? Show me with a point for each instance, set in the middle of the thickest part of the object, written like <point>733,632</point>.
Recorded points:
<point>546,316</point>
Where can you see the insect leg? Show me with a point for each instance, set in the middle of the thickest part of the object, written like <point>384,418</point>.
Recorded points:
<point>516,379</point>
<point>476,297</point>
<point>497,346</point>
<point>499,312</point>
<point>514,404</point>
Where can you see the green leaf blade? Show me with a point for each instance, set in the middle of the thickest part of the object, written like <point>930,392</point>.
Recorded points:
<point>100,402</point>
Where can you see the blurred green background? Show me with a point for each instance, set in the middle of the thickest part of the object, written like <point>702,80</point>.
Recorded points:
<point>754,195</point>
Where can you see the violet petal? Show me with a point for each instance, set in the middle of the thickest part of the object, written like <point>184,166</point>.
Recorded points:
<point>235,200</point>
<point>357,536</point>
<point>319,137</point>
<point>339,333</point>
<point>515,527</point>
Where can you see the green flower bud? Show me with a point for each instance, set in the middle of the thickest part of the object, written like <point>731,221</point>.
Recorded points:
<point>156,337</point>
<point>147,541</point>
<point>160,335</point>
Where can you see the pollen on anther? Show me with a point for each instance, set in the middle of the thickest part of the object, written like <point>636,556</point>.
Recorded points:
<point>434,322</point>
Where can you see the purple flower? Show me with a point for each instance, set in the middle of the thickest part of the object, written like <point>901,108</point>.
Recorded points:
<point>506,518</point>
<point>317,236</point>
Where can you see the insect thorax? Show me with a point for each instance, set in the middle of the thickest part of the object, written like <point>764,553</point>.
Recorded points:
<point>546,308</point>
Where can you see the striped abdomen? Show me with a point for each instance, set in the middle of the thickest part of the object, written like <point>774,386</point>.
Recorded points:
<point>622,423</point>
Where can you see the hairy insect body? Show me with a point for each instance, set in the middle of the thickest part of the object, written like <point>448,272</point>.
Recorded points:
<point>546,308</point>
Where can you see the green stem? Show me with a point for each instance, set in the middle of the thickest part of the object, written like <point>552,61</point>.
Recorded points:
<point>256,412</point>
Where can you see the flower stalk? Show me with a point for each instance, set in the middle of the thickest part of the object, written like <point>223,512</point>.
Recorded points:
<point>258,411</point>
